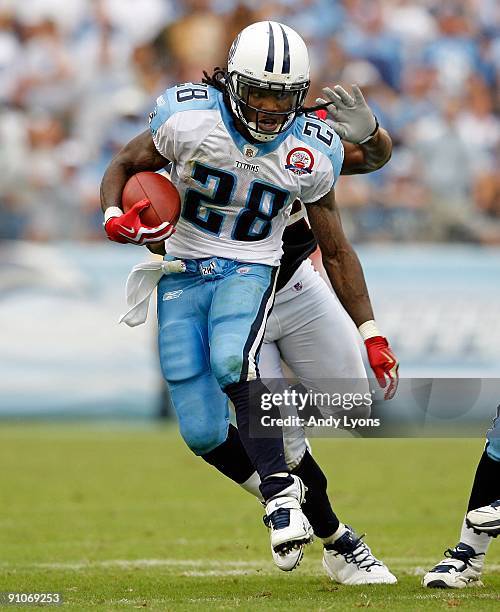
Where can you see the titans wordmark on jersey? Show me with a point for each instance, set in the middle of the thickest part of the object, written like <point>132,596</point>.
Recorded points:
<point>236,196</point>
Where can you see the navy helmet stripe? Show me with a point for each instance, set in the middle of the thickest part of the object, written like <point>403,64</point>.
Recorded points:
<point>286,53</point>
<point>270,51</point>
<point>233,48</point>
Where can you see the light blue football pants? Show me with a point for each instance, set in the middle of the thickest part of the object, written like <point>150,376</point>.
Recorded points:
<point>211,325</point>
<point>493,439</point>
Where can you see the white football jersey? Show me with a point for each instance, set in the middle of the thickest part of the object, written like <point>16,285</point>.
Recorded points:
<point>236,197</point>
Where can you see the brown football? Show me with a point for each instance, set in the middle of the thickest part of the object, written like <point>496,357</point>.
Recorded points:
<point>164,198</point>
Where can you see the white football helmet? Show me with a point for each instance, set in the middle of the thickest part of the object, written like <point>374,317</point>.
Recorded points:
<point>267,58</point>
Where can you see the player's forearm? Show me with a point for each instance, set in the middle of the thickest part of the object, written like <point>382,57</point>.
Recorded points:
<point>346,276</point>
<point>378,150</point>
<point>339,259</point>
<point>112,184</point>
<point>138,155</point>
<point>368,157</point>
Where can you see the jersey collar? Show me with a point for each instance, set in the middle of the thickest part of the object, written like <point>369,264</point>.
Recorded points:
<point>263,148</point>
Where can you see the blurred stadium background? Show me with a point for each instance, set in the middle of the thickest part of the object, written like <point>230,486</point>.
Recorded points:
<point>78,79</point>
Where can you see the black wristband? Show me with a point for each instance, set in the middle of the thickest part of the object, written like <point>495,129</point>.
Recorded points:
<point>375,130</point>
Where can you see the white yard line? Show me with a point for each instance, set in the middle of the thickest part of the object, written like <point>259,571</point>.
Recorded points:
<point>216,567</point>
<point>138,563</point>
<point>219,573</point>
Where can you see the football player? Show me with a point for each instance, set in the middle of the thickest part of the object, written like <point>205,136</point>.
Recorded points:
<point>229,243</point>
<point>310,331</point>
<point>462,565</point>
<point>307,321</point>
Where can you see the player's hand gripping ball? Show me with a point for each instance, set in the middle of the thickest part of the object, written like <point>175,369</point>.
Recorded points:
<point>151,208</point>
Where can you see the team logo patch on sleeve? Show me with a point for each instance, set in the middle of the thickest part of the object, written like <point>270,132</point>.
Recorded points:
<point>300,161</point>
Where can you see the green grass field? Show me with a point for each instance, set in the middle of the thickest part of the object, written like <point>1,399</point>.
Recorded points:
<point>126,518</point>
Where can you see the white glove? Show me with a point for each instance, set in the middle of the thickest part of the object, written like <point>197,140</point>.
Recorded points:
<point>350,116</point>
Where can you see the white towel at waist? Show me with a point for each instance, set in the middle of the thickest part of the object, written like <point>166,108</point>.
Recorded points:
<point>141,283</point>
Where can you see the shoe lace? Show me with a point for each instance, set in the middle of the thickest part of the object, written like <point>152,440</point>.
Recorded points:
<point>361,555</point>
<point>460,555</point>
<point>279,519</point>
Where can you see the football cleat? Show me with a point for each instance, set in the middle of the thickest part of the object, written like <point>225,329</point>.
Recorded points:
<point>290,529</point>
<point>288,561</point>
<point>350,561</point>
<point>485,519</point>
<point>460,568</point>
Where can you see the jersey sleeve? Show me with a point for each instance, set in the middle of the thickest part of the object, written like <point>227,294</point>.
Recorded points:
<point>162,127</point>
<point>328,152</point>
<point>163,121</point>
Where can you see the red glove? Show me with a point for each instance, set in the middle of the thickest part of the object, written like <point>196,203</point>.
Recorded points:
<point>383,363</point>
<point>128,227</point>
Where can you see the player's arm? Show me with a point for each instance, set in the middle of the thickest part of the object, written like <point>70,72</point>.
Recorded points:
<point>368,157</point>
<point>346,275</point>
<point>339,259</point>
<point>138,155</point>
<point>367,146</point>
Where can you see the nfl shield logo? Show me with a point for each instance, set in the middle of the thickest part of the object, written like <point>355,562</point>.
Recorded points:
<point>249,151</point>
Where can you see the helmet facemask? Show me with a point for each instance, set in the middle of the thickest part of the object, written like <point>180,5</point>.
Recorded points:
<point>284,101</point>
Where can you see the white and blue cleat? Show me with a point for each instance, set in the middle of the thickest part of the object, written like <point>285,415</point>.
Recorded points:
<point>290,529</point>
<point>350,561</point>
<point>485,519</point>
<point>460,568</point>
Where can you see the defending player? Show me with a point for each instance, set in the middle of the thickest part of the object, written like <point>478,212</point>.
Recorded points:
<point>229,238</point>
<point>308,323</point>
<point>307,320</point>
<point>463,564</point>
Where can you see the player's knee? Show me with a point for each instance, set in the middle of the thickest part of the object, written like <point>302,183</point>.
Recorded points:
<point>202,436</point>
<point>295,447</point>
<point>493,448</point>
<point>362,411</point>
<point>202,430</point>
<point>226,360</point>
<point>202,412</point>
<point>182,354</point>
<point>493,439</point>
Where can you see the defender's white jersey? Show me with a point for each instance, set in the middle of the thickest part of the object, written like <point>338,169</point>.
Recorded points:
<point>236,196</point>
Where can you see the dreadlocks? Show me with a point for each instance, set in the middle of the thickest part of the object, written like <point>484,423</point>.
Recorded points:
<point>218,77</point>
<point>312,109</point>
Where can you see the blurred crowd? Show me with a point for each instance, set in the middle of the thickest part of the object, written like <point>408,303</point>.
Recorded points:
<point>78,79</point>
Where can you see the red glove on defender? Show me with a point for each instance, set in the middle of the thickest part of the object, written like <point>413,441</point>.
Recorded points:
<point>128,227</point>
<point>383,363</point>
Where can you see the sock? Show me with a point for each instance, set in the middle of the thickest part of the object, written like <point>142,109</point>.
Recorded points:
<point>317,507</point>
<point>478,541</point>
<point>274,484</point>
<point>252,485</point>
<point>335,536</point>
<point>230,458</point>
<point>266,454</point>
<point>486,487</point>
